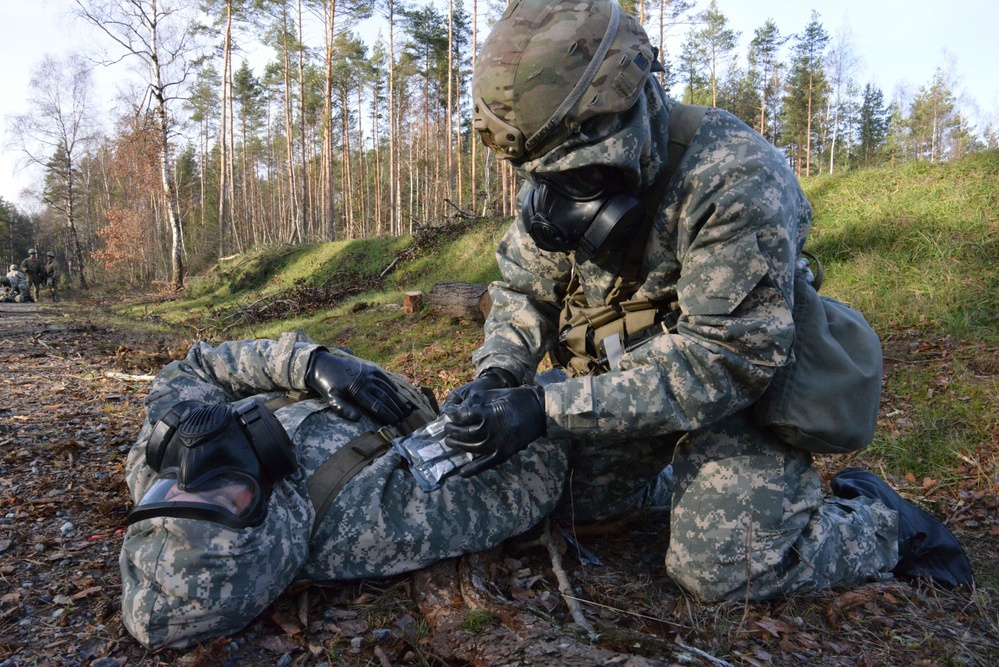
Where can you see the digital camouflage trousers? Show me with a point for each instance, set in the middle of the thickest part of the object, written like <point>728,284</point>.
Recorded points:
<point>747,510</point>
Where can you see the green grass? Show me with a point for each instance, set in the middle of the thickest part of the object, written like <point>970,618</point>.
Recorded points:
<point>913,247</point>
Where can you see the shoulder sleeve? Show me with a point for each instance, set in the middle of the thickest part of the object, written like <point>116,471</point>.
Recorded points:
<point>231,371</point>
<point>523,321</point>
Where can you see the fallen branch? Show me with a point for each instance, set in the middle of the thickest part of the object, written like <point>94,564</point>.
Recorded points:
<point>388,268</point>
<point>707,656</point>
<point>462,213</point>
<point>564,586</point>
<point>129,378</point>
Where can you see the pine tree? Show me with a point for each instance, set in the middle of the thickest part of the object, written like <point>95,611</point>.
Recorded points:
<point>717,42</point>
<point>806,91</point>
<point>933,118</point>
<point>692,71</point>
<point>764,59</point>
<point>873,130</point>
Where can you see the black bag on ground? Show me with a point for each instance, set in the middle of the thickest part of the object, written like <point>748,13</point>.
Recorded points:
<point>826,401</point>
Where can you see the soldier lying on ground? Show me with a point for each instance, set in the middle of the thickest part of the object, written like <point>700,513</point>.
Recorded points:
<point>17,290</point>
<point>227,498</point>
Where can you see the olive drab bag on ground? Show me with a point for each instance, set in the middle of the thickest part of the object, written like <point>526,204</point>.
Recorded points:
<point>826,400</point>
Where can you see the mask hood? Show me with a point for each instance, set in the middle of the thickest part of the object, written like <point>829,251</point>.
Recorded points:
<point>634,141</point>
<point>188,580</point>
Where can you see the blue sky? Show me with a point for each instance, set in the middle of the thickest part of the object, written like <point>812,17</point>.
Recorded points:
<point>898,44</point>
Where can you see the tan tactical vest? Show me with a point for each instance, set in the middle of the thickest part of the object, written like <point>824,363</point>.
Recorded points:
<point>592,339</point>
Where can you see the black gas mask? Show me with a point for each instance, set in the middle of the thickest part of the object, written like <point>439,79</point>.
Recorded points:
<point>215,463</point>
<point>587,211</point>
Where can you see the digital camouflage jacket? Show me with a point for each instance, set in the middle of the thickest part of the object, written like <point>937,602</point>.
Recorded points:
<point>725,238</point>
<point>188,580</point>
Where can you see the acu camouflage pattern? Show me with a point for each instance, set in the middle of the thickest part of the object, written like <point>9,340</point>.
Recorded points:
<point>539,50</point>
<point>724,242</point>
<point>186,581</point>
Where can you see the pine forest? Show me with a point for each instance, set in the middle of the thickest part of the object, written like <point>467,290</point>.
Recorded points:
<point>260,122</point>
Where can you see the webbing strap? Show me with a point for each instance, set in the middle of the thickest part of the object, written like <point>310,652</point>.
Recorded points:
<point>684,119</point>
<point>352,458</point>
<point>287,398</point>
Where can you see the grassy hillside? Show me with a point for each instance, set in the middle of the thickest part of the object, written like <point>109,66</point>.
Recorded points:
<point>914,244</point>
<point>911,246</point>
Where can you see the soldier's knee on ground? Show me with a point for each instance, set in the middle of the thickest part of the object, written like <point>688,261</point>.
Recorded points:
<point>705,579</point>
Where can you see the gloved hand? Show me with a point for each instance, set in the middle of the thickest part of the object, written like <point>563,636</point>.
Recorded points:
<point>348,385</point>
<point>496,424</point>
<point>491,378</point>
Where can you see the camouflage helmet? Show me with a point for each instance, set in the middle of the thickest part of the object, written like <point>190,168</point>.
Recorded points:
<point>50,254</point>
<point>547,66</point>
<point>32,251</point>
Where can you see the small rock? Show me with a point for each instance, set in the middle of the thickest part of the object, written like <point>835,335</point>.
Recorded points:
<point>357,642</point>
<point>285,660</point>
<point>106,662</point>
<point>39,547</point>
<point>67,528</point>
<point>381,634</point>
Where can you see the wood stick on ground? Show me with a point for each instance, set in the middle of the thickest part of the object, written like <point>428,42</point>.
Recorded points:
<point>130,378</point>
<point>564,586</point>
<point>707,656</point>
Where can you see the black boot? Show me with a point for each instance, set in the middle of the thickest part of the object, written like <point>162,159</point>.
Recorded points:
<point>926,548</point>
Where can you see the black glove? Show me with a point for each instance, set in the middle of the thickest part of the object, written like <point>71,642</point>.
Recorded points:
<point>489,379</point>
<point>494,425</point>
<point>347,383</point>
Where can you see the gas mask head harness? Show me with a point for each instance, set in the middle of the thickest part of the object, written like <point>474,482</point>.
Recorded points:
<point>589,211</point>
<point>215,463</point>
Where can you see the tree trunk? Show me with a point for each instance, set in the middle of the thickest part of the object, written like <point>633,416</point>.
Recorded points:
<point>224,202</point>
<point>306,180</point>
<point>71,225</point>
<point>395,222</point>
<point>169,189</point>
<point>468,301</point>
<point>327,198</point>
<point>474,139</point>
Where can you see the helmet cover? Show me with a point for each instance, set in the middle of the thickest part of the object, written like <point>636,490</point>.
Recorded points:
<point>548,66</point>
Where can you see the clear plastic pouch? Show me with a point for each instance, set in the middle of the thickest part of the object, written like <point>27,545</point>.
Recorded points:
<point>430,460</point>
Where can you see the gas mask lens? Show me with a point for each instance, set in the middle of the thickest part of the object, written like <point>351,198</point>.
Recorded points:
<point>229,498</point>
<point>580,184</point>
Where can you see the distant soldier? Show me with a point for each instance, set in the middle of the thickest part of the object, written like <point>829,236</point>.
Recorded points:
<point>6,295</point>
<point>18,285</point>
<point>34,269</point>
<point>51,274</point>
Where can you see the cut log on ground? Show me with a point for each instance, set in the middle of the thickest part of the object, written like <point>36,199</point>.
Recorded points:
<point>467,301</point>
<point>412,302</point>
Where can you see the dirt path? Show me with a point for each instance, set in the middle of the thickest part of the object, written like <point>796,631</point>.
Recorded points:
<point>64,430</point>
<point>71,406</point>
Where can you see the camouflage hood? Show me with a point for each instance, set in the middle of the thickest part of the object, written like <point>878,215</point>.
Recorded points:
<point>185,580</point>
<point>634,141</point>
